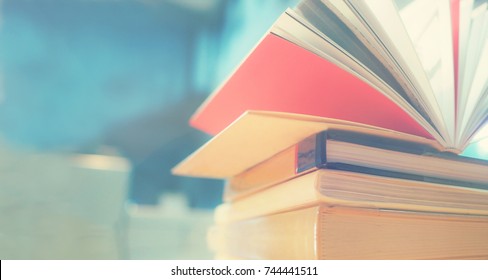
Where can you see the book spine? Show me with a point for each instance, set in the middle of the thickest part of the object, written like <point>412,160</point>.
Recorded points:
<point>306,156</point>
<point>310,153</point>
<point>284,235</point>
<point>276,169</point>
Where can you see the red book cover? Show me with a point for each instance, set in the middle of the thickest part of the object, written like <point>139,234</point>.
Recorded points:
<point>281,76</point>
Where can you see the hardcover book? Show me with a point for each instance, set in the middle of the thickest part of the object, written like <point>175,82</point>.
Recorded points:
<point>362,153</point>
<point>332,232</point>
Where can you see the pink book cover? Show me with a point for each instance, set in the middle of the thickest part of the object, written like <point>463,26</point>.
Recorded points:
<point>281,76</point>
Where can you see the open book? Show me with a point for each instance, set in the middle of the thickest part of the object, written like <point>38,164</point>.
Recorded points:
<point>417,67</point>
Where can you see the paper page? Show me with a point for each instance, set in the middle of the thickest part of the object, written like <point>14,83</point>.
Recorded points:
<point>323,20</point>
<point>473,86</point>
<point>396,41</point>
<point>465,7</point>
<point>428,24</point>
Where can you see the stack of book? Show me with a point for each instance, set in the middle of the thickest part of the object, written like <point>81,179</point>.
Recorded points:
<point>339,135</point>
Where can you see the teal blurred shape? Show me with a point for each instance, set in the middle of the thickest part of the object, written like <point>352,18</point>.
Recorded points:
<point>477,149</point>
<point>71,69</point>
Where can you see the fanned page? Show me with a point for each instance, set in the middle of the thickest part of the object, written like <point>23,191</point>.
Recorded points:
<point>348,28</point>
<point>294,28</point>
<point>428,24</point>
<point>472,99</point>
<point>435,50</point>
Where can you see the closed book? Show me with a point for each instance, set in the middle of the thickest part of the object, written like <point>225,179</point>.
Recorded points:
<point>333,232</point>
<point>363,153</point>
<point>352,189</point>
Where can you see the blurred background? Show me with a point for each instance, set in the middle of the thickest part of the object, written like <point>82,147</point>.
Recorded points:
<point>95,97</point>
